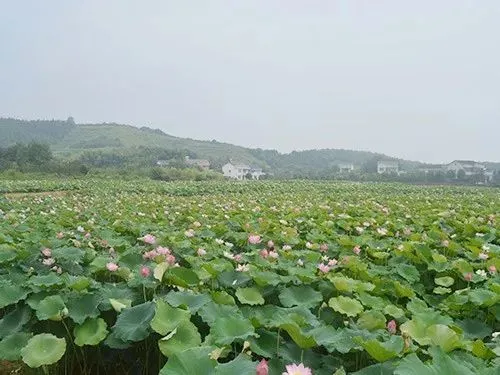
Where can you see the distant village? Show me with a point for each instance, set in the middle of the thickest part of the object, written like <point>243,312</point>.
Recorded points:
<point>457,169</point>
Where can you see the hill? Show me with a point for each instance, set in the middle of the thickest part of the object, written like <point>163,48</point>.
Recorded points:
<point>70,140</point>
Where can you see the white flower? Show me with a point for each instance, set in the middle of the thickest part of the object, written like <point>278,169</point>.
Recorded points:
<point>479,234</point>
<point>309,245</point>
<point>382,231</point>
<point>243,268</point>
<point>495,334</point>
<point>219,241</point>
<point>228,244</point>
<point>283,222</point>
<point>483,256</point>
<point>287,248</point>
<point>300,262</point>
<point>80,229</point>
<point>228,255</point>
<point>486,248</point>
<point>360,230</point>
<point>481,273</point>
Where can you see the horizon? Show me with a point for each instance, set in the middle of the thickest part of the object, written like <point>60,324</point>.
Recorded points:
<point>415,81</point>
<point>254,148</point>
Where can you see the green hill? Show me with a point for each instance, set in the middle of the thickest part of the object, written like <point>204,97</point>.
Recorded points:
<point>108,140</point>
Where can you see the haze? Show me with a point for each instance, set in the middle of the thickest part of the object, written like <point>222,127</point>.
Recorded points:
<point>413,79</point>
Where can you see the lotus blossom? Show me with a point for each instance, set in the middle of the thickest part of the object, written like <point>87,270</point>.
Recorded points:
<point>300,262</point>
<point>149,255</point>
<point>243,268</point>
<point>47,252</point>
<point>48,261</point>
<point>492,269</point>
<point>254,239</point>
<point>445,243</point>
<point>238,258</point>
<point>197,224</point>
<point>483,256</point>
<point>80,229</point>
<point>332,262</point>
<point>201,252</point>
<point>356,250</point>
<point>382,231</point>
<point>270,244</point>
<point>264,253</point>
<point>145,271</point>
<point>309,245</point>
<point>112,267</point>
<point>359,230</point>
<point>323,247</point>
<point>87,235</point>
<point>219,241</point>
<point>299,369</point>
<point>468,276</point>
<point>170,259</point>
<point>262,368</point>
<point>323,268</point>
<point>286,248</point>
<point>273,254</point>
<point>481,273</point>
<point>60,235</point>
<point>162,250</point>
<point>392,327</point>
<point>149,239</point>
<point>189,233</point>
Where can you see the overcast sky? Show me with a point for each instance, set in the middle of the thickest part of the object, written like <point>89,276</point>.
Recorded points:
<point>412,79</point>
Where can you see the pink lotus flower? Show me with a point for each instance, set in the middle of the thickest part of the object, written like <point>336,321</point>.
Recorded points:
<point>262,368</point>
<point>149,238</point>
<point>323,268</point>
<point>332,262</point>
<point>468,276</point>
<point>87,235</point>
<point>150,255</point>
<point>264,253</point>
<point>323,248</point>
<point>300,369</point>
<point>47,252</point>
<point>201,252</point>
<point>392,327</point>
<point>162,250</point>
<point>60,235</point>
<point>270,244</point>
<point>145,271</point>
<point>170,259</point>
<point>492,269</point>
<point>356,250</point>
<point>238,258</point>
<point>483,256</point>
<point>273,254</point>
<point>112,267</point>
<point>254,239</point>
<point>48,261</point>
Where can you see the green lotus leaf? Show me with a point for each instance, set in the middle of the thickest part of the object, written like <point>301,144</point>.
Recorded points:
<point>241,365</point>
<point>383,351</point>
<point>191,361</point>
<point>394,311</point>
<point>14,321</point>
<point>10,346</point>
<point>445,281</point>
<point>91,332</point>
<point>133,322</point>
<point>249,296</point>
<point>479,349</point>
<point>120,304</point>
<point>371,320</point>
<point>83,306</point>
<point>184,336</point>
<point>160,270</point>
<point>46,281</point>
<point>167,318</point>
<point>346,305</point>
<point>223,298</point>
<point>226,330</point>
<point>183,277</point>
<point>483,297</point>
<point>10,294</point>
<point>211,311</point>
<point>51,308</point>
<point>444,337</point>
<point>300,296</point>
<point>7,254</point>
<point>43,349</point>
<point>303,340</point>
<point>408,272</point>
<point>187,299</point>
<point>441,291</point>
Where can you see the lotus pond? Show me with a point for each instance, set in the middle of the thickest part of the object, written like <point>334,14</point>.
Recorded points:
<point>212,278</point>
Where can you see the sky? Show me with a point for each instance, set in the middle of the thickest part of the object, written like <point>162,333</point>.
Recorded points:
<point>418,80</point>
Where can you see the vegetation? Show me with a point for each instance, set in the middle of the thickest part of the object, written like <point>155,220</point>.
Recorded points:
<point>212,277</point>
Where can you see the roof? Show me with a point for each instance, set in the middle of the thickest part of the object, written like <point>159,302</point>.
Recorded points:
<point>470,162</point>
<point>388,162</point>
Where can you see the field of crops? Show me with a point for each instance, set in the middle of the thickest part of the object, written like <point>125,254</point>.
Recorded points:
<point>245,279</point>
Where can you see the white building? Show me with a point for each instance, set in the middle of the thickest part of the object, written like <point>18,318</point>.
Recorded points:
<point>239,171</point>
<point>469,168</point>
<point>345,167</point>
<point>387,166</point>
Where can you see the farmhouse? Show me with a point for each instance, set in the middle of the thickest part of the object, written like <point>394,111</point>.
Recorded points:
<point>468,168</point>
<point>345,167</point>
<point>240,171</point>
<point>200,163</point>
<point>387,166</point>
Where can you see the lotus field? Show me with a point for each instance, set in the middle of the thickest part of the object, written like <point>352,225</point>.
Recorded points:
<point>248,278</point>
